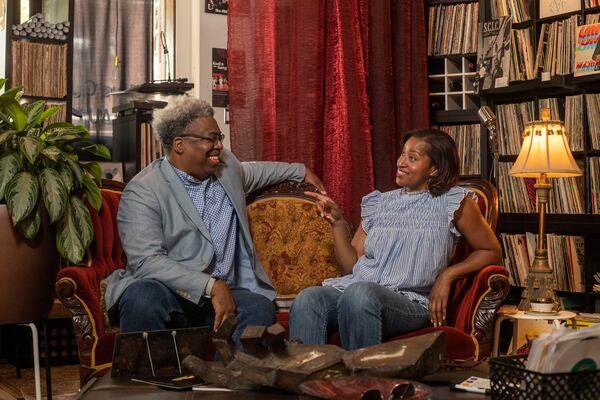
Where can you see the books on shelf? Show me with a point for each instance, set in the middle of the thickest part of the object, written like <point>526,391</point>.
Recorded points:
<point>452,29</point>
<point>522,55</point>
<point>594,171</point>
<point>555,48</point>
<point>587,50</point>
<point>591,3</point>
<point>150,146</point>
<point>467,141</point>
<point>511,121</point>
<point>592,102</point>
<point>592,18</point>
<point>517,195</point>
<point>520,10</point>
<point>566,257</point>
<point>493,53</point>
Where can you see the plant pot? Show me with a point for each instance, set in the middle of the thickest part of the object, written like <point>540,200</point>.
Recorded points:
<point>27,273</point>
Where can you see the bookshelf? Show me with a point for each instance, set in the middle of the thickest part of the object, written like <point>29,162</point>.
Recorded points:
<point>39,53</point>
<point>575,100</point>
<point>452,63</point>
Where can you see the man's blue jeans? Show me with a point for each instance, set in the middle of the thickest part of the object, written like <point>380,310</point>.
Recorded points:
<point>365,314</point>
<point>148,305</point>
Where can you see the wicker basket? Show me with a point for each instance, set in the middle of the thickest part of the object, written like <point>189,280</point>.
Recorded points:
<point>511,380</point>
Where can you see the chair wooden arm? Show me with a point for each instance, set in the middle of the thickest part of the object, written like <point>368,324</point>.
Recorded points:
<point>495,282</point>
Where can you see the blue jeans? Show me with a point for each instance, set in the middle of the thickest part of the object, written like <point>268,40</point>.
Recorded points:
<point>365,314</point>
<point>148,305</point>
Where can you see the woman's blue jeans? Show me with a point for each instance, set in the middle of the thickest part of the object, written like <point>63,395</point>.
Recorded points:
<point>365,314</point>
<point>148,305</point>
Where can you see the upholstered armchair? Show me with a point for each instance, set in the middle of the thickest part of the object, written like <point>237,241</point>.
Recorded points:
<point>79,287</point>
<point>295,246</point>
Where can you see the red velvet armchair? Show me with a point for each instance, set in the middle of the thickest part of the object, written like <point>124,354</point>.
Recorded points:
<point>79,287</point>
<point>295,246</point>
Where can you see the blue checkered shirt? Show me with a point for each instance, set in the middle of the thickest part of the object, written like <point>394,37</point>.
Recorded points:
<point>218,215</point>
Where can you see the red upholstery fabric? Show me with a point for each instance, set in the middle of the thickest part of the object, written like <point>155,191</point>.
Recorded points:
<point>466,294</point>
<point>79,287</point>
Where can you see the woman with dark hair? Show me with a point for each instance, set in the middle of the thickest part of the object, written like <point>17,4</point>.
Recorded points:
<point>397,277</point>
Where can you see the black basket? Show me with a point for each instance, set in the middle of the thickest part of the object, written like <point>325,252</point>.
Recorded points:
<point>510,380</point>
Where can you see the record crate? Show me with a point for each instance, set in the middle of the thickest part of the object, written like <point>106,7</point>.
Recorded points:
<point>510,379</point>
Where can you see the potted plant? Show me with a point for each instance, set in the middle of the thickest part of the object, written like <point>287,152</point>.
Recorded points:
<point>42,183</point>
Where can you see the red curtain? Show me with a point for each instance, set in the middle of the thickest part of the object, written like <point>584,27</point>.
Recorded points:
<point>298,76</point>
<point>397,80</point>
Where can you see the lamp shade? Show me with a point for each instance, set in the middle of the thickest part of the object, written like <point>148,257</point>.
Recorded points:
<point>545,150</point>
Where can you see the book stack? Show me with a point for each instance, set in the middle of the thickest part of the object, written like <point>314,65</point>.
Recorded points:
<point>518,9</point>
<point>592,102</point>
<point>511,121</point>
<point>522,55</point>
<point>566,257</point>
<point>150,146</point>
<point>556,48</point>
<point>452,29</point>
<point>594,172</point>
<point>467,141</point>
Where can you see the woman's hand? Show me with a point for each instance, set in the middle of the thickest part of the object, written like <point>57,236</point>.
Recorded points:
<point>438,299</point>
<point>313,179</point>
<point>327,208</point>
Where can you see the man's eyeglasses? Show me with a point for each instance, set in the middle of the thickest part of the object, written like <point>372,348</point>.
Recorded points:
<point>214,139</point>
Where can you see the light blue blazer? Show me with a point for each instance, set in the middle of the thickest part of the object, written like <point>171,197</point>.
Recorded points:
<point>165,238</point>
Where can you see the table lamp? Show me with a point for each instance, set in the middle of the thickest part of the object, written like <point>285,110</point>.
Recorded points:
<point>544,154</point>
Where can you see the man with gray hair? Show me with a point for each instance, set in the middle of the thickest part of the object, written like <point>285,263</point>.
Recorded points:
<point>184,228</point>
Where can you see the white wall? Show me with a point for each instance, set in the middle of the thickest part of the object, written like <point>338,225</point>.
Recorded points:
<point>196,34</point>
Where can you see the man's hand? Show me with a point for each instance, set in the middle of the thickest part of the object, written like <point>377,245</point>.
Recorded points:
<point>438,299</point>
<point>313,179</point>
<point>222,302</point>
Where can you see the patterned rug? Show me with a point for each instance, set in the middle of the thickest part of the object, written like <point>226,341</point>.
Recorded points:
<point>65,382</point>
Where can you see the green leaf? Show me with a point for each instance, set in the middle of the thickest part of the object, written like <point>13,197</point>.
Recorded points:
<point>68,242</point>
<point>6,136</point>
<point>92,191</point>
<point>30,147</point>
<point>83,220</point>
<point>14,110</point>
<point>95,169</point>
<point>14,93</point>
<point>75,168</point>
<point>48,113</point>
<point>30,226</point>
<point>58,125</point>
<point>10,164</point>
<point>2,82</point>
<point>52,152</point>
<point>22,194</point>
<point>66,176</point>
<point>99,150</point>
<point>33,113</point>
<point>65,138</point>
<point>54,193</point>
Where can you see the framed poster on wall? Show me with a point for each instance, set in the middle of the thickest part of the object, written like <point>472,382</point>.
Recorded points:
<point>216,6</point>
<point>220,86</point>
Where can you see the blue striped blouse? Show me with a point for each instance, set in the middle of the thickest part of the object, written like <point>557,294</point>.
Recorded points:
<point>411,237</point>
